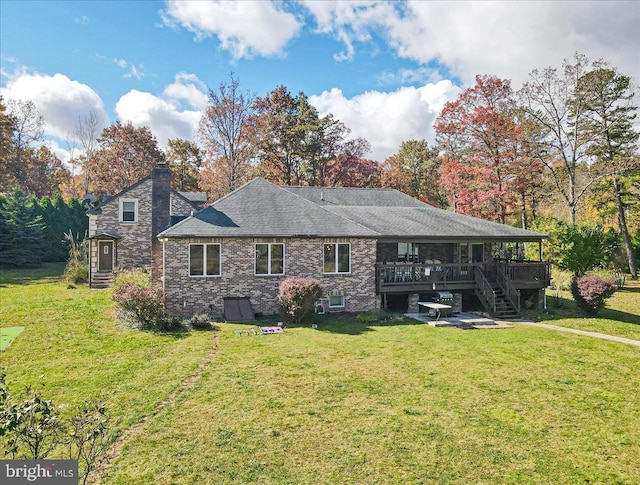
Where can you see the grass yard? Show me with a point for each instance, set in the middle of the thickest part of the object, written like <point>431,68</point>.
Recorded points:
<point>620,317</point>
<point>347,403</point>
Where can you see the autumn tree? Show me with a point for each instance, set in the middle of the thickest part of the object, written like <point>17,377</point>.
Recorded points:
<point>46,173</point>
<point>125,155</point>
<point>226,133</point>
<point>479,134</point>
<point>279,135</point>
<point>185,160</point>
<point>414,171</point>
<point>298,146</point>
<point>27,126</point>
<point>607,126</point>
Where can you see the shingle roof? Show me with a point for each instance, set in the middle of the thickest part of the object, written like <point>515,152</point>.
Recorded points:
<point>262,209</point>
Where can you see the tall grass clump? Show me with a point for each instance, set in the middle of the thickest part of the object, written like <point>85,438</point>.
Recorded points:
<point>77,269</point>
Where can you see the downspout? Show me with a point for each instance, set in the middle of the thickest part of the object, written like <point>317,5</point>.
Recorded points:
<point>90,260</point>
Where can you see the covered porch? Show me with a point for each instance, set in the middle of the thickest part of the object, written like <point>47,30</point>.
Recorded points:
<point>494,270</point>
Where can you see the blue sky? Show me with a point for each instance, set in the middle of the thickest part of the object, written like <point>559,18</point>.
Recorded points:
<point>384,68</point>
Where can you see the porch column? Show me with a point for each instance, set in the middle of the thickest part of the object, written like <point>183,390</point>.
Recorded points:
<point>412,307</point>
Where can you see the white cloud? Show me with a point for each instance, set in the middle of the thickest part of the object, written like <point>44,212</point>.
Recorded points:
<point>388,119</point>
<point>163,115</point>
<point>187,87</point>
<point>60,100</point>
<point>507,39</point>
<point>245,28</point>
<point>132,70</point>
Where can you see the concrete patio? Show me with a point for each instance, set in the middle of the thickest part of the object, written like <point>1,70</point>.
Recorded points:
<point>464,321</point>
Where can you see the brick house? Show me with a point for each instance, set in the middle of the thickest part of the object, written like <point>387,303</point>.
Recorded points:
<point>123,228</point>
<point>370,248</point>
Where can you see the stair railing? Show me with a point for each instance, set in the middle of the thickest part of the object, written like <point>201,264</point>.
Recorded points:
<point>504,282</point>
<point>484,287</point>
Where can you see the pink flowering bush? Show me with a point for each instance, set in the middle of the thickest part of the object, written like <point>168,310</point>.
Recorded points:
<point>296,297</point>
<point>590,292</point>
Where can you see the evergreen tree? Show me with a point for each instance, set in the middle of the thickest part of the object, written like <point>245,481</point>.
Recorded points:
<point>25,244</point>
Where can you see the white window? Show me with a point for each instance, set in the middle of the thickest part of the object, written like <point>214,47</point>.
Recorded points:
<point>269,259</point>
<point>336,301</point>
<point>128,210</point>
<point>337,258</point>
<point>204,259</point>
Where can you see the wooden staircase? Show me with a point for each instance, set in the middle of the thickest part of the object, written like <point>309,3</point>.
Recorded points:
<point>101,280</point>
<point>494,299</point>
<point>504,309</point>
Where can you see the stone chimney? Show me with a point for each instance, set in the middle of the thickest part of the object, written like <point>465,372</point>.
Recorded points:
<point>160,214</point>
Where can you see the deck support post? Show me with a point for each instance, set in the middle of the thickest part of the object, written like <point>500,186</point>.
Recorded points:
<point>414,298</point>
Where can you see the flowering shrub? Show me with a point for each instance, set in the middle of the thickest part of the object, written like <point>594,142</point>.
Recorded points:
<point>590,292</point>
<point>296,297</point>
<point>141,304</point>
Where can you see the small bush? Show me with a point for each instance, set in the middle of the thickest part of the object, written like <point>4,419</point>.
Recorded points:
<point>200,322</point>
<point>140,304</point>
<point>296,297</point>
<point>373,317</point>
<point>30,425</point>
<point>590,293</point>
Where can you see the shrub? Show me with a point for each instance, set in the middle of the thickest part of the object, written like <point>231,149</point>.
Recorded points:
<point>90,436</point>
<point>200,322</point>
<point>296,297</point>
<point>373,317</point>
<point>140,304</point>
<point>30,425</point>
<point>590,293</point>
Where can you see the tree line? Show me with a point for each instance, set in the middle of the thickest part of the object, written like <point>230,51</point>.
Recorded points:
<point>565,144</point>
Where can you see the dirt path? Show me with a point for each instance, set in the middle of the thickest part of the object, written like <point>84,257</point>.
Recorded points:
<point>603,336</point>
<point>135,430</point>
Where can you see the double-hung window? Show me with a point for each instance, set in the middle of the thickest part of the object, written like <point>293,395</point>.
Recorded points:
<point>204,260</point>
<point>337,258</point>
<point>128,210</point>
<point>269,259</point>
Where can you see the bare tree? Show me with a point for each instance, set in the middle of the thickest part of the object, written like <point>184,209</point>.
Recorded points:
<point>28,130</point>
<point>86,133</point>
<point>226,135</point>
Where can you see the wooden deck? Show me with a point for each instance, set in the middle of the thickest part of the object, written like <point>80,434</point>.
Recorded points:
<point>416,277</point>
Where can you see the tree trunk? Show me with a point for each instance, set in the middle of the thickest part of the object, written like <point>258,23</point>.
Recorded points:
<point>622,225</point>
<point>523,208</point>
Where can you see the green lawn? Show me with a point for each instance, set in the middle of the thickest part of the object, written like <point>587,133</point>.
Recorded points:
<point>396,403</point>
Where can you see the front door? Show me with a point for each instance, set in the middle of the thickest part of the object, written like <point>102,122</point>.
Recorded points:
<point>105,258</point>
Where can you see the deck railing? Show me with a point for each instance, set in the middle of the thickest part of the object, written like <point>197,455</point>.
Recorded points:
<point>524,272</point>
<point>406,276</point>
<point>402,274</point>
